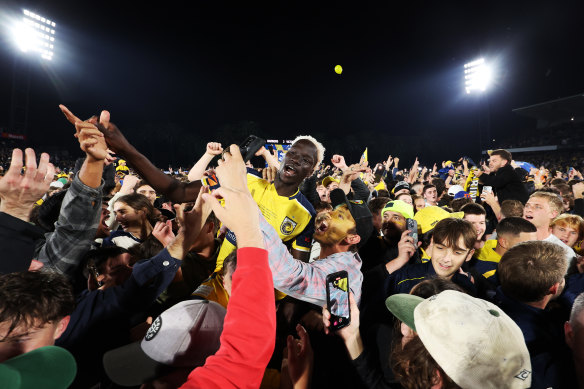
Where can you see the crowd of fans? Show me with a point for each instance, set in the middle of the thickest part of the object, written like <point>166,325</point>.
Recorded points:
<point>119,274</point>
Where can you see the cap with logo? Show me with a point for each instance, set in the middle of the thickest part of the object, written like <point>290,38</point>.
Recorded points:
<point>474,341</point>
<point>400,186</point>
<point>182,336</point>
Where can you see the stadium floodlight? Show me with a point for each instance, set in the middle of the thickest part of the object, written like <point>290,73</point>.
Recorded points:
<point>35,33</point>
<point>477,76</point>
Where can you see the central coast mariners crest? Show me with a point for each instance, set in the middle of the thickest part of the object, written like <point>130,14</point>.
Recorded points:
<point>287,226</point>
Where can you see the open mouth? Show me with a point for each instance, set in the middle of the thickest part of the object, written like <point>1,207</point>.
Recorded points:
<point>528,217</point>
<point>289,170</point>
<point>322,227</point>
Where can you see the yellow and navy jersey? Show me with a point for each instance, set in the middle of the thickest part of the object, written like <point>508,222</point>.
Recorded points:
<point>292,217</point>
<point>487,259</point>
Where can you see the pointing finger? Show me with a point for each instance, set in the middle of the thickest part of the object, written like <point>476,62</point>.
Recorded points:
<point>69,115</point>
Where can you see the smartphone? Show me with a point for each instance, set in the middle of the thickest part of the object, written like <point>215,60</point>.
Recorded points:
<point>337,299</point>
<point>250,146</point>
<point>487,189</point>
<point>211,181</point>
<point>412,225</point>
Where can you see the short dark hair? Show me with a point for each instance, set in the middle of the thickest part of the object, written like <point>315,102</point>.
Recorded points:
<point>457,204</point>
<point>34,298</point>
<point>377,204</point>
<point>515,226</point>
<point>506,155</point>
<point>449,231</point>
<point>428,186</point>
<point>440,185</point>
<point>382,193</point>
<point>473,209</point>
<point>528,270</point>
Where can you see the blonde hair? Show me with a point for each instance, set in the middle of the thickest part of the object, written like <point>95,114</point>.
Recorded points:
<point>319,147</point>
<point>573,221</point>
<point>554,200</point>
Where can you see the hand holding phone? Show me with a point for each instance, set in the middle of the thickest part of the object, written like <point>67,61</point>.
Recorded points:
<point>412,226</point>
<point>337,299</point>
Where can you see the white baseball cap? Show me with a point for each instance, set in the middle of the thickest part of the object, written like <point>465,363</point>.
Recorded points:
<point>474,342</point>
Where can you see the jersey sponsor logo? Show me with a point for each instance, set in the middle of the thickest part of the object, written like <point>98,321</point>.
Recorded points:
<point>154,328</point>
<point>288,226</point>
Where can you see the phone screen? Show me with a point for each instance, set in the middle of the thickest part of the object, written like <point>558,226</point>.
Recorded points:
<point>338,299</point>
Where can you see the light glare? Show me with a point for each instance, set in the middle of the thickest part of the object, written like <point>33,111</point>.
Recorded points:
<point>32,36</point>
<point>478,76</point>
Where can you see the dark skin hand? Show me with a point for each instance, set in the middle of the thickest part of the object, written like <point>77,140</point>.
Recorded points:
<point>298,164</point>
<point>174,190</point>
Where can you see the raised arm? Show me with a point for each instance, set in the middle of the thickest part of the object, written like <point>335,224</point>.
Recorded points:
<point>197,171</point>
<point>249,328</point>
<point>81,208</point>
<point>174,190</point>
<point>18,194</point>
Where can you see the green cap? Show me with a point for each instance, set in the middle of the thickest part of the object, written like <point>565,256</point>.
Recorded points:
<point>402,306</point>
<point>48,367</point>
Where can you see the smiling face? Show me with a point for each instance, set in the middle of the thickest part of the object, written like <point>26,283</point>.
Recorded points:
<point>127,216</point>
<point>496,162</point>
<point>478,222</point>
<point>298,163</point>
<point>446,260</point>
<point>331,227</point>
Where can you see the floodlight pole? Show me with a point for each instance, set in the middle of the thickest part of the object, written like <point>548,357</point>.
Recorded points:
<point>20,96</point>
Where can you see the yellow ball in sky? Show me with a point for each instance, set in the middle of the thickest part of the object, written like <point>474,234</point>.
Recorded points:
<point>338,69</point>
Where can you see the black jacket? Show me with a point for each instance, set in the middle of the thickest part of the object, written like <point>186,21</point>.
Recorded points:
<point>506,184</point>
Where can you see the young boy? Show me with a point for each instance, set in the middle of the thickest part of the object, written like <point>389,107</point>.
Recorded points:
<point>452,245</point>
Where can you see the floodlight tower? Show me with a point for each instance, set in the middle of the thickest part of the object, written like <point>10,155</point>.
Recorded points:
<point>34,36</point>
<point>477,79</point>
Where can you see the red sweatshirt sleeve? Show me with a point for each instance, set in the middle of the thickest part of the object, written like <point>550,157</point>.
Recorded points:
<point>249,329</point>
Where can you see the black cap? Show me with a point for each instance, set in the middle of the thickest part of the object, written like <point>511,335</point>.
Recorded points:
<point>359,211</point>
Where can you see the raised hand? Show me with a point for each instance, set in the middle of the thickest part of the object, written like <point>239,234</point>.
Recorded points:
<point>92,141</point>
<point>240,213</point>
<point>339,161</point>
<point>214,148</point>
<point>130,182</point>
<point>163,232</point>
<point>269,174</point>
<point>19,192</point>
<point>300,358</point>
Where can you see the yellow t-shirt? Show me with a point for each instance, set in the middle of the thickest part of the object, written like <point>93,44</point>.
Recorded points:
<point>292,217</point>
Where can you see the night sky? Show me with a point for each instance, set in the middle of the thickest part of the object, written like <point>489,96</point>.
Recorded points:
<point>220,63</point>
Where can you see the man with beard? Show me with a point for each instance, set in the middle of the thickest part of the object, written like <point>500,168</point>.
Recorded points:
<point>382,249</point>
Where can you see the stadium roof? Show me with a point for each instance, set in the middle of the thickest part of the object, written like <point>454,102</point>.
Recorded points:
<point>555,112</point>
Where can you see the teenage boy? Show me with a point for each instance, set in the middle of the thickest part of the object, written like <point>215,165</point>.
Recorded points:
<point>452,245</point>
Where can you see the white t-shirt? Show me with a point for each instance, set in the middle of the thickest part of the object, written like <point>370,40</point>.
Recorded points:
<point>567,249</point>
